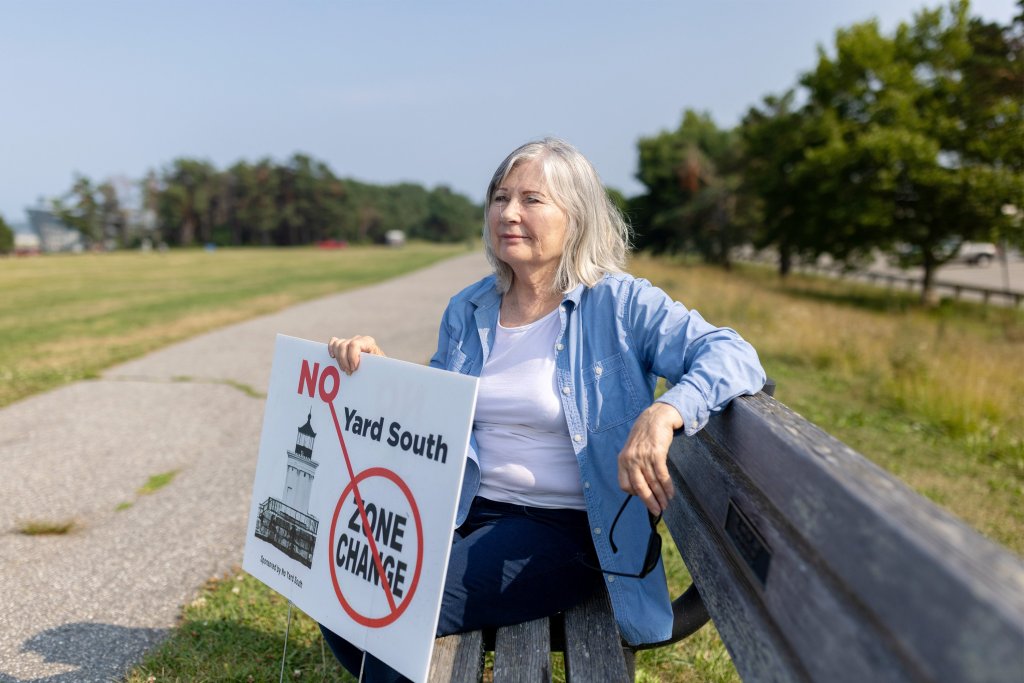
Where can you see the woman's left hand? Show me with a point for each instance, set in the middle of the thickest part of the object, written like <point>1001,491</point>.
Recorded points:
<point>643,468</point>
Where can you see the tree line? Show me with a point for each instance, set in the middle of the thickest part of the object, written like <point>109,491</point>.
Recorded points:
<point>910,143</point>
<point>300,201</point>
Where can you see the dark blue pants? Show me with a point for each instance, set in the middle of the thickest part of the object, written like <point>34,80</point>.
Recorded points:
<point>508,564</point>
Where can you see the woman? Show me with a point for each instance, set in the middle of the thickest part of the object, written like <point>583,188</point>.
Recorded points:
<point>568,349</point>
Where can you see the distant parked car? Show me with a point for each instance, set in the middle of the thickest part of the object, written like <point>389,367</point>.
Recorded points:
<point>976,253</point>
<point>971,253</point>
<point>394,238</point>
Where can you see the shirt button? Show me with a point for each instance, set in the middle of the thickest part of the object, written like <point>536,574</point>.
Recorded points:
<point>577,438</point>
<point>611,579</point>
<point>586,484</point>
<point>597,530</point>
<point>694,424</point>
<point>598,370</point>
<point>565,390</point>
<point>559,347</point>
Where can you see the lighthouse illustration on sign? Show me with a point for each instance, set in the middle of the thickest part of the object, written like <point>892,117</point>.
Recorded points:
<point>286,524</point>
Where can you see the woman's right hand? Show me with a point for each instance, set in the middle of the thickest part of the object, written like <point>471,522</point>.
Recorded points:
<point>346,351</point>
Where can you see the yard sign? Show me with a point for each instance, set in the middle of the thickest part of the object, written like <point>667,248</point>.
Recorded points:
<point>356,488</point>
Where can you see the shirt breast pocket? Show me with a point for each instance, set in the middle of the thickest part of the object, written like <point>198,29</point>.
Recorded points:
<point>610,396</point>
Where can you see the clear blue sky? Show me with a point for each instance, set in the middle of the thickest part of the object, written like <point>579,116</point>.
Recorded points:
<point>432,92</point>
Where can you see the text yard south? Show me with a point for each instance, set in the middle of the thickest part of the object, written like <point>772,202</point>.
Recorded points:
<point>430,446</point>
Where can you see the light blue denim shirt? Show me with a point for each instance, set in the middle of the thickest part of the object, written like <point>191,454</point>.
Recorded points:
<point>615,340</point>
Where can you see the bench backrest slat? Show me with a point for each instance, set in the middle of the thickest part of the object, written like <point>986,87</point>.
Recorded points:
<point>817,565</point>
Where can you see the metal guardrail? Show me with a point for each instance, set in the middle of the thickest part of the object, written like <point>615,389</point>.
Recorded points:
<point>986,293</point>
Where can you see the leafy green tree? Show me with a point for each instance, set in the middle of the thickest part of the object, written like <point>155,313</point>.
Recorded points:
<point>307,207</point>
<point>405,206</point>
<point>251,217</point>
<point>776,138</point>
<point>904,161</point>
<point>451,217</point>
<point>692,176</point>
<point>6,237</point>
<point>993,118</point>
<point>324,196</point>
<point>80,209</point>
<point>114,224</point>
<point>185,201</point>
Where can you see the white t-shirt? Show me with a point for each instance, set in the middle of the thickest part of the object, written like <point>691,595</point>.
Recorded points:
<point>525,453</point>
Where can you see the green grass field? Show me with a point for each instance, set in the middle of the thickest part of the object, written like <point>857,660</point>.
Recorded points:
<point>931,395</point>
<point>67,317</point>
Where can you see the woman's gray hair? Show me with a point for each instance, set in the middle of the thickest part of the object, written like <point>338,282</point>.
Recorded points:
<point>596,235</point>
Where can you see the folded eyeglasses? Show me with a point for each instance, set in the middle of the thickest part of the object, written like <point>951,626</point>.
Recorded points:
<point>653,553</point>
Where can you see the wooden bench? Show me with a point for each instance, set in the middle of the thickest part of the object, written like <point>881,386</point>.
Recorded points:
<point>587,635</point>
<point>815,564</point>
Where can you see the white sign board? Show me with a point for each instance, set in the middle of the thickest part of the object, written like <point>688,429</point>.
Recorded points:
<point>354,500</point>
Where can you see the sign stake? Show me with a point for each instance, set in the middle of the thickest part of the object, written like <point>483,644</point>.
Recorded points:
<point>287,626</point>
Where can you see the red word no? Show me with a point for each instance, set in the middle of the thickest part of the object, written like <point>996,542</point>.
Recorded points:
<point>308,381</point>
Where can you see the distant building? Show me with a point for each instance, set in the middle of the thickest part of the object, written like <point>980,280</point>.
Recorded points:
<point>394,238</point>
<point>286,524</point>
<point>54,236</point>
<point>26,240</point>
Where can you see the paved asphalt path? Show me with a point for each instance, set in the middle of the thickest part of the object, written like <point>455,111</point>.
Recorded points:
<point>85,606</point>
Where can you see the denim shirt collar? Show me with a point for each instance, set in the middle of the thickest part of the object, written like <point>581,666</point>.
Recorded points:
<point>574,295</point>
<point>490,297</point>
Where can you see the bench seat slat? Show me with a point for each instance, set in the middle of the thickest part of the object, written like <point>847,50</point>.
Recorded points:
<point>522,653</point>
<point>458,658</point>
<point>593,650</point>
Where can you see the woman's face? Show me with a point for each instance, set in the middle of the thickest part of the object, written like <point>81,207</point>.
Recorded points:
<point>527,228</point>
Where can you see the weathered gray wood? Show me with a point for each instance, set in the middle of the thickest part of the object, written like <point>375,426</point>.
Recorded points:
<point>593,650</point>
<point>817,565</point>
<point>522,653</point>
<point>588,633</point>
<point>457,659</point>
